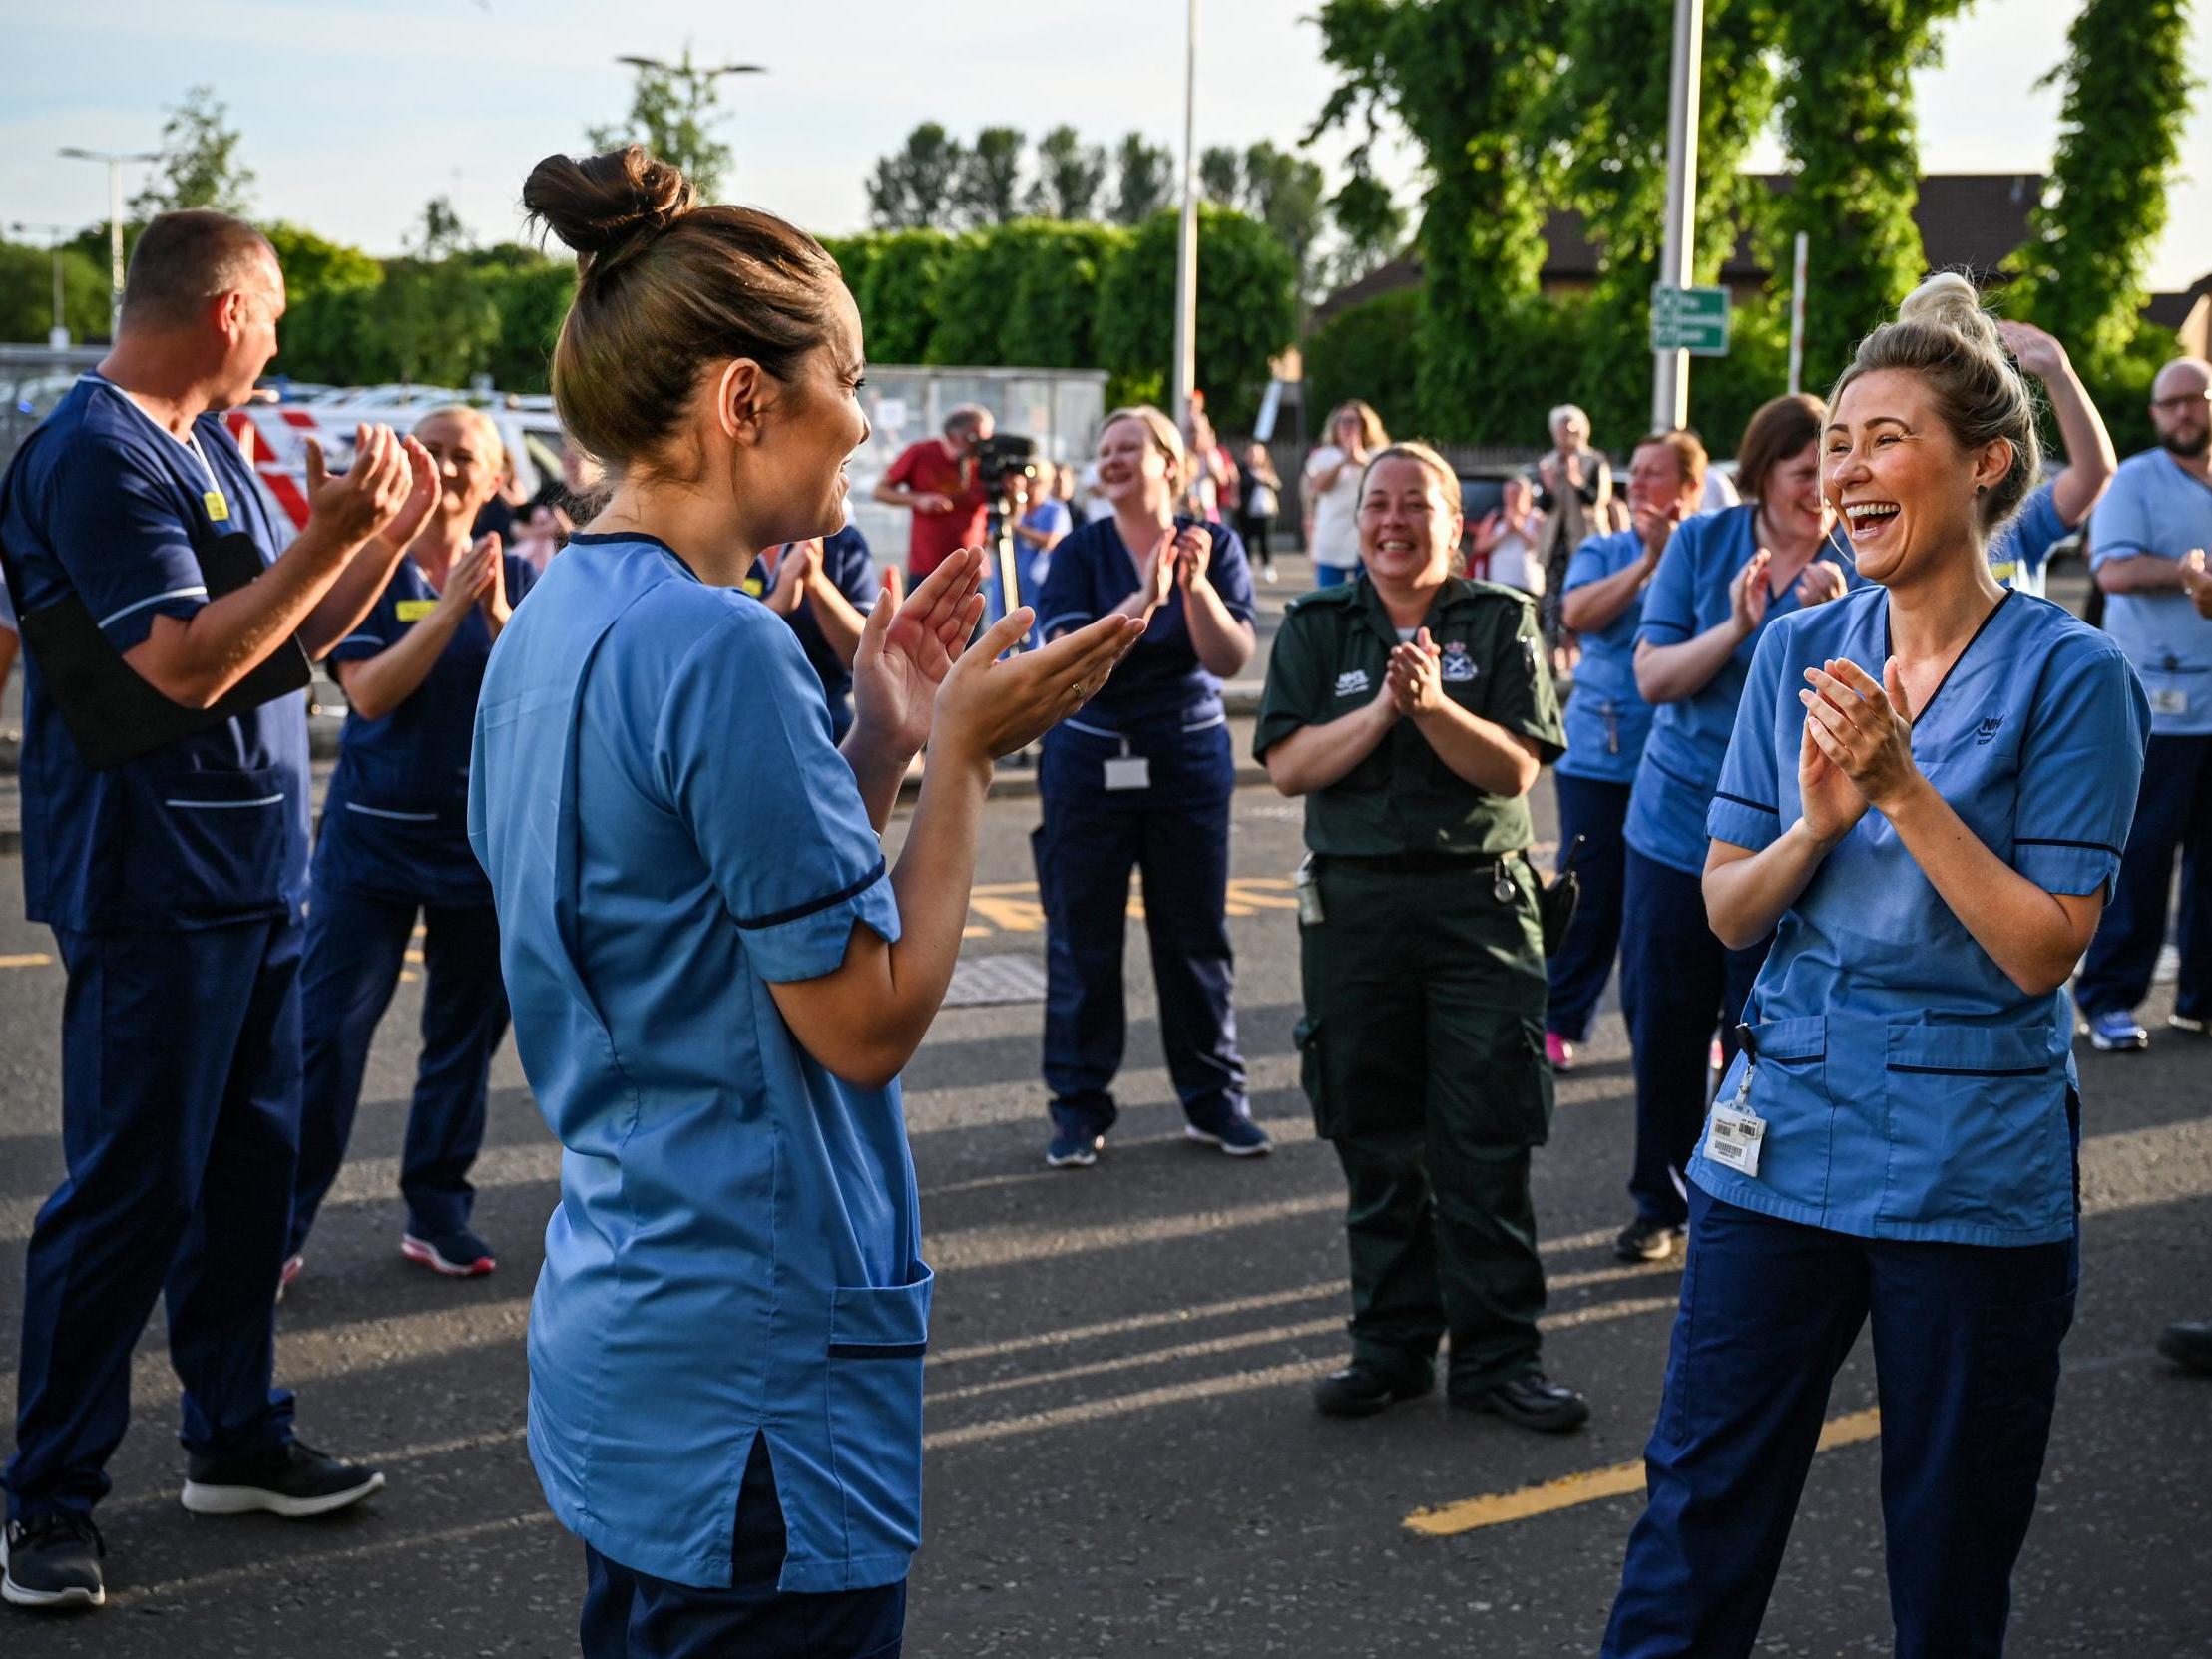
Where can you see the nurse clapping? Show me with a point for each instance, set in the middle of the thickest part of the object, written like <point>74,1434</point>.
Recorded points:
<point>715,979</point>
<point>394,846</point>
<point>1925,798</point>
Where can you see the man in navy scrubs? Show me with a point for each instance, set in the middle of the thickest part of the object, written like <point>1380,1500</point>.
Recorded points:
<point>173,883</point>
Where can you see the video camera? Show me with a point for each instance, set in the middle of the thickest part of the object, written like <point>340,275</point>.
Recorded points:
<point>1005,456</point>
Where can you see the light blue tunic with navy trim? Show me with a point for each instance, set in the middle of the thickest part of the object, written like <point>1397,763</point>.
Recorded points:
<point>1606,717</point>
<point>1911,1090</point>
<point>2155,509</point>
<point>2019,553</point>
<point>736,1252</point>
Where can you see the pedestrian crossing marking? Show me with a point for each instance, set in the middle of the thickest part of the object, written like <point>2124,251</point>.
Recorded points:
<point>1594,1486</point>
<point>28,958</point>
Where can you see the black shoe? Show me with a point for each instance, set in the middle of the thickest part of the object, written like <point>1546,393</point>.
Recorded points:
<point>2188,1345</point>
<point>1359,1389</point>
<point>1533,1400</point>
<point>52,1561</point>
<point>1646,1241</point>
<point>290,1479</point>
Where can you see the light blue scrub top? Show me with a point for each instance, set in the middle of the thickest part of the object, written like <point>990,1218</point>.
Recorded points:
<point>2155,508</point>
<point>2020,551</point>
<point>1606,718</point>
<point>1682,756</point>
<point>1911,1090</point>
<point>736,1252</point>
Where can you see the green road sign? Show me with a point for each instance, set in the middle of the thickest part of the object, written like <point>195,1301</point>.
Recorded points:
<point>1690,319</point>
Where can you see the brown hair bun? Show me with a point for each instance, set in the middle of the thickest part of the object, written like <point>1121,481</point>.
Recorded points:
<point>607,206</point>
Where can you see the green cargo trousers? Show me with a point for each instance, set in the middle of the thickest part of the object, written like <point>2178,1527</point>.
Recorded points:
<point>1423,1056</point>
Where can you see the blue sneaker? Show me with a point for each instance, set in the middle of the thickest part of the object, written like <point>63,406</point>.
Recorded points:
<point>1074,1151</point>
<point>2115,1033</point>
<point>1240,1137</point>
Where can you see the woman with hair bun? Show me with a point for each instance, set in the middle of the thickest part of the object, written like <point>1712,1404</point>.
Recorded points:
<point>715,977</point>
<point>1926,795</point>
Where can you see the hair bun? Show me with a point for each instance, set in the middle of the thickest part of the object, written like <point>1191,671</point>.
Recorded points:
<point>605,207</point>
<point>1949,300</point>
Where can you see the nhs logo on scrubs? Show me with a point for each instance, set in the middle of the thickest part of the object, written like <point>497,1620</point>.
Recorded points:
<point>1987,730</point>
<point>1352,682</point>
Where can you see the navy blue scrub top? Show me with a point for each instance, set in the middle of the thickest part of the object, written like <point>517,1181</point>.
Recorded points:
<point>2019,551</point>
<point>1688,594</point>
<point>213,828</point>
<point>1911,1090</point>
<point>396,824</point>
<point>845,562</point>
<point>736,1253</point>
<point>1160,682</point>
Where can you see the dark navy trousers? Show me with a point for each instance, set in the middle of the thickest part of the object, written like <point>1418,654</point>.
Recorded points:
<point>356,946</point>
<point>633,1615</point>
<point>1966,1353</point>
<point>2172,809</point>
<point>1594,810</point>
<point>180,1125</point>
<point>1176,833</point>
<point>1677,985</point>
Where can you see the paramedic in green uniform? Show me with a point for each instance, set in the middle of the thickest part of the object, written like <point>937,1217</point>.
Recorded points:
<point>1413,710</point>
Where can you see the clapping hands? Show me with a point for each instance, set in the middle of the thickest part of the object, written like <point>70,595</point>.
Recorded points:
<point>1415,678</point>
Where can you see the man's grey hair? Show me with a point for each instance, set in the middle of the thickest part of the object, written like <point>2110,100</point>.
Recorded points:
<point>965,417</point>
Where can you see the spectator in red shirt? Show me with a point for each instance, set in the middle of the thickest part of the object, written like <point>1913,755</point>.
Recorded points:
<point>936,481</point>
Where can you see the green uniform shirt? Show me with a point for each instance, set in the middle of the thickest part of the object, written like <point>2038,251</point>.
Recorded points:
<point>1331,658</point>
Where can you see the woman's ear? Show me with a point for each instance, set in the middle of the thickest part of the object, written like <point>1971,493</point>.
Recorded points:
<point>737,405</point>
<point>1992,464</point>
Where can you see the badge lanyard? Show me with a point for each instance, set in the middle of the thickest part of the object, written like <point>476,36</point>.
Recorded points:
<point>218,509</point>
<point>1738,1131</point>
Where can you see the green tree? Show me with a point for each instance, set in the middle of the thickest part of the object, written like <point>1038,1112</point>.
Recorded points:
<point>200,165</point>
<point>1247,309</point>
<point>1468,80</point>
<point>2127,100</point>
<point>26,294</point>
<point>1284,191</point>
<point>530,295</point>
<point>989,189</point>
<point>1222,174</point>
<point>672,113</point>
<point>1053,319</point>
<point>1367,352</point>
<point>333,329</point>
<point>442,322</point>
<point>1070,175</point>
<point>916,188</point>
<point>898,304</point>
<point>1847,120</point>
<point>1144,180</point>
<point>1370,226</point>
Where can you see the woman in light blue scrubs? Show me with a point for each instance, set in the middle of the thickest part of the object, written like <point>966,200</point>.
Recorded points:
<point>1724,577</point>
<point>716,977</point>
<point>1925,798</point>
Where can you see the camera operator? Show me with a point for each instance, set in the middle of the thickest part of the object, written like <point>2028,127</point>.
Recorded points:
<point>940,482</point>
<point>165,841</point>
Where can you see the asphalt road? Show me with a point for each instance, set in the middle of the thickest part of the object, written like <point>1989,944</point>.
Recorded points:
<point>1123,1458</point>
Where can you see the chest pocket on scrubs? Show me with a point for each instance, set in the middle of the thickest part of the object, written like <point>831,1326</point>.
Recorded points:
<point>1976,1127</point>
<point>877,1335</point>
<point>204,843</point>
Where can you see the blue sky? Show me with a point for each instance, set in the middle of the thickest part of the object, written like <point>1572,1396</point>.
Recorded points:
<point>355,112</point>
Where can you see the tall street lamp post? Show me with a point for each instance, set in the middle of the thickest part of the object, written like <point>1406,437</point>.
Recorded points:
<point>117,161</point>
<point>1185,377</point>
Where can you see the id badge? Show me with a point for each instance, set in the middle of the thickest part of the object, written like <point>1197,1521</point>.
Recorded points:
<point>413,611</point>
<point>218,509</point>
<point>1735,1140</point>
<point>1128,771</point>
<point>2169,701</point>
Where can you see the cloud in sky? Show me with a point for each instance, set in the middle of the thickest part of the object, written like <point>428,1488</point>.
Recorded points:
<point>355,112</point>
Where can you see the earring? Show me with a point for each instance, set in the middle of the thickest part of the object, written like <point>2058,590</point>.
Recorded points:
<point>1981,489</point>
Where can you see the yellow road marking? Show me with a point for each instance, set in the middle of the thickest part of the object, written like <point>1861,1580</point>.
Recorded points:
<point>29,959</point>
<point>1592,1485</point>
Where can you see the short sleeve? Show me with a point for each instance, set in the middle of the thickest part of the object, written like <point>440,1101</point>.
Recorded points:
<point>1328,455</point>
<point>1746,811</point>
<point>1587,564</point>
<point>2120,527</point>
<point>380,629</point>
<point>1670,602</point>
<point>743,748</point>
<point>1230,571</point>
<point>115,525</point>
<point>901,471</point>
<point>1069,600</point>
<point>2082,762</point>
<point>1292,688</point>
<point>521,576</point>
<point>1524,698</point>
<point>2037,530</point>
<point>856,572</point>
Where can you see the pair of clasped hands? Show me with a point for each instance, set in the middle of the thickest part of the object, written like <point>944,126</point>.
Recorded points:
<point>385,497</point>
<point>1179,558</point>
<point>918,679</point>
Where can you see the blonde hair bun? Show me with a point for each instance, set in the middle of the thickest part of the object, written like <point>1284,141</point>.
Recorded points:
<point>1948,300</point>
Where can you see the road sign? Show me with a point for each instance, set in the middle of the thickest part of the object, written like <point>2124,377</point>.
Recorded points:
<point>1690,319</point>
